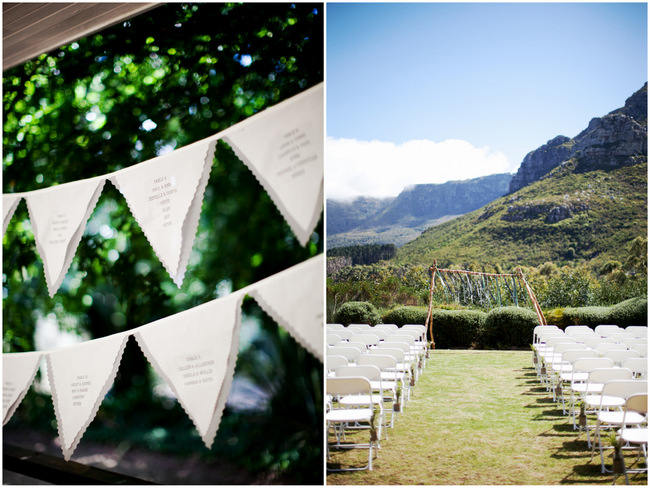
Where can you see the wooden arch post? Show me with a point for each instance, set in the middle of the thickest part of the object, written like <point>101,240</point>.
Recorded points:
<point>428,324</point>
<point>533,298</point>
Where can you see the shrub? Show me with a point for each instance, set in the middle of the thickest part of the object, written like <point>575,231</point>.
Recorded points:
<point>630,312</point>
<point>574,287</point>
<point>591,316</point>
<point>507,327</point>
<point>556,317</point>
<point>405,315</point>
<point>457,328</point>
<point>357,313</point>
<point>451,328</point>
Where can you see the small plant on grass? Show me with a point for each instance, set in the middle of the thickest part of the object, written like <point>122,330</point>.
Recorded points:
<point>582,416</point>
<point>618,463</point>
<point>373,425</point>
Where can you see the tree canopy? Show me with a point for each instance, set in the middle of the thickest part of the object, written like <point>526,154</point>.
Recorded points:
<point>159,81</point>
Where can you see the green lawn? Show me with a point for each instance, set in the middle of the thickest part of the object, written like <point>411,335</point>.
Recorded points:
<point>481,418</point>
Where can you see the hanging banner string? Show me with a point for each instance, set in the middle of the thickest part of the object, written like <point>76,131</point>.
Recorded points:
<point>282,146</point>
<point>194,351</point>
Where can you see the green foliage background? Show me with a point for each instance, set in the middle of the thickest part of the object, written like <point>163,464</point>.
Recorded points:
<point>365,254</point>
<point>78,112</point>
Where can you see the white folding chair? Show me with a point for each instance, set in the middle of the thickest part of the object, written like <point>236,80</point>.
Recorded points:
<point>379,332</point>
<point>420,328</point>
<point>637,330</point>
<point>401,371</point>
<point>635,436</point>
<point>580,380</point>
<point>333,361</point>
<point>573,330</point>
<point>595,399</point>
<point>333,327</point>
<point>603,349</point>
<point>373,373</point>
<point>349,352</point>
<point>391,384</point>
<point>333,339</point>
<point>344,333</point>
<point>607,330</point>
<point>359,328</point>
<point>564,370</point>
<point>638,366</point>
<point>339,418</point>
<point>641,348</point>
<point>367,339</point>
<point>620,355</point>
<point>610,415</point>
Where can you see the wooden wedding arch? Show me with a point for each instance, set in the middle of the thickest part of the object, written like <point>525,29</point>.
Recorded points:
<point>485,287</point>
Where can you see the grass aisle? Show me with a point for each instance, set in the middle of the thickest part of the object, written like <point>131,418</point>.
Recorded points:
<point>479,417</point>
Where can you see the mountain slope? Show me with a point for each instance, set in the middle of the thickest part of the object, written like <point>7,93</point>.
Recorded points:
<point>401,219</point>
<point>614,140</point>
<point>587,207</point>
<point>343,215</point>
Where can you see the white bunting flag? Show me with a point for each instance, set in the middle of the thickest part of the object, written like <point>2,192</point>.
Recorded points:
<point>283,147</point>
<point>58,215</point>
<point>294,299</point>
<point>9,205</point>
<point>165,196</point>
<point>195,352</point>
<point>18,371</point>
<point>80,376</point>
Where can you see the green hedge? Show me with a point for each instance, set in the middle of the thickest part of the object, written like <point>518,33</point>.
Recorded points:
<point>508,327</point>
<point>451,328</point>
<point>629,312</point>
<point>458,328</point>
<point>591,316</point>
<point>405,315</point>
<point>357,313</point>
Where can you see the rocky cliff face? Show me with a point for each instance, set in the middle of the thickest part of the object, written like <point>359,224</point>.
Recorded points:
<point>415,205</point>
<point>420,203</point>
<point>612,141</point>
<point>540,161</point>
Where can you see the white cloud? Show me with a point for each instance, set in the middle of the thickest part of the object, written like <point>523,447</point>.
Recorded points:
<point>380,169</point>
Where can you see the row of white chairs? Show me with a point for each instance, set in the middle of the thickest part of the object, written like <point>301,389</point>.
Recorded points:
<point>370,374</point>
<point>605,371</point>
<point>366,336</point>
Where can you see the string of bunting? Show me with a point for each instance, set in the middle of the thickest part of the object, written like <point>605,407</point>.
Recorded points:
<point>282,146</point>
<point>194,351</point>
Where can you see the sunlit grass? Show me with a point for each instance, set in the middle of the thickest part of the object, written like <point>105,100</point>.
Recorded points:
<point>479,417</point>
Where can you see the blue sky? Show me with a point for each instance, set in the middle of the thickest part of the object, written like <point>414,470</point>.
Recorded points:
<point>501,78</point>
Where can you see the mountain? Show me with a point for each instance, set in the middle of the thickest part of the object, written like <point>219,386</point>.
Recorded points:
<point>401,219</point>
<point>614,140</point>
<point>572,199</point>
<point>346,215</point>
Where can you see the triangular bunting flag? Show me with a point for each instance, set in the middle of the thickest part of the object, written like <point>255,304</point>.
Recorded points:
<point>165,196</point>
<point>80,377</point>
<point>195,352</point>
<point>58,215</point>
<point>9,204</point>
<point>294,298</point>
<point>18,371</point>
<point>283,147</point>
